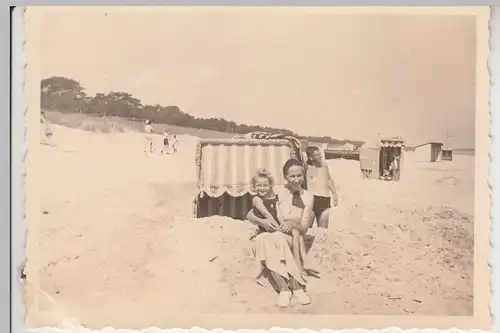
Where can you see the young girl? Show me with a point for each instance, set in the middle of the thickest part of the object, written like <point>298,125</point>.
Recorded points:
<point>265,205</point>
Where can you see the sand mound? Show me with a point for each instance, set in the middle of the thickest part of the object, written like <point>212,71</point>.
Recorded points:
<point>448,181</point>
<point>117,245</point>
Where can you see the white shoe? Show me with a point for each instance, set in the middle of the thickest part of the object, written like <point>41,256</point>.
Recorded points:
<point>302,297</point>
<point>284,298</point>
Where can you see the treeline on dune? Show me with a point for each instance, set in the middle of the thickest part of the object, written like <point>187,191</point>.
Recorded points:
<point>68,96</point>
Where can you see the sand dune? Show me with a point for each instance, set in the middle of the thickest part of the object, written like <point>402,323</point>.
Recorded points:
<point>117,245</point>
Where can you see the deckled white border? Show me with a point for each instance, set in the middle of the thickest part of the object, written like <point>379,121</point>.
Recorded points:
<point>18,200</point>
<point>18,154</point>
<point>494,68</point>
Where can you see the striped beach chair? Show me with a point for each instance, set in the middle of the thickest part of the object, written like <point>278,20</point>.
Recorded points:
<point>226,166</point>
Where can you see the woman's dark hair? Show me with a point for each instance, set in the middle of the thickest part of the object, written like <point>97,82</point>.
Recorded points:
<point>290,163</point>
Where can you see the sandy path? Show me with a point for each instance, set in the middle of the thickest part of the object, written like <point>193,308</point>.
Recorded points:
<point>116,237</point>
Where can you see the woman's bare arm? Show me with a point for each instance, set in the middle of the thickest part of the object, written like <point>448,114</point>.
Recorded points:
<point>264,223</point>
<point>306,219</point>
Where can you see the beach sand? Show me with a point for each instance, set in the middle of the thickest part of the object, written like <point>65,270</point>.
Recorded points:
<point>116,244</point>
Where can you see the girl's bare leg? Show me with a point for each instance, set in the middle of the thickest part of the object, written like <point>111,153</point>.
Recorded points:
<point>302,244</point>
<point>296,247</point>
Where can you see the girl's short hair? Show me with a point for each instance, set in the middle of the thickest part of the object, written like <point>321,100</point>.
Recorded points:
<point>290,163</point>
<point>261,173</point>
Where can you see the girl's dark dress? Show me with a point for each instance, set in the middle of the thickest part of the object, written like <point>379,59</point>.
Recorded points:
<point>271,206</point>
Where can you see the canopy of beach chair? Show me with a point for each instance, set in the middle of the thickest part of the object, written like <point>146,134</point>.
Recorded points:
<point>227,165</point>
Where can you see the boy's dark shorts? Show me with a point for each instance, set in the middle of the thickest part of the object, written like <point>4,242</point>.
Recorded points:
<point>320,205</point>
<point>165,142</point>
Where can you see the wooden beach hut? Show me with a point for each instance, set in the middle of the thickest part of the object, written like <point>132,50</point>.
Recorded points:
<point>428,152</point>
<point>376,156</point>
<point>447,154</point>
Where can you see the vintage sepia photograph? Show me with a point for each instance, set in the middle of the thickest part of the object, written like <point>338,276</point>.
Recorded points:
<point>251,167</point>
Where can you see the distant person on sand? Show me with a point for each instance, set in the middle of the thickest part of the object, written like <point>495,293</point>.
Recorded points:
<point>320,184</point>
<point>166,146</point>
<point>265,205</point>
<point>394,167</point>
<point>148,129</point>
<point>276,265</point>
<point>174,143</point>
<point>47,132</point>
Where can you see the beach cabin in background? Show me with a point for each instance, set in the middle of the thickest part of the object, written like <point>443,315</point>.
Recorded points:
<point>321,145</point>
<point>376,157</point>
<point>334,146</point>
<point>428,152</point>
<point>346,151</point>
<point>446,154</point>
<point>226,166</point>
<point>348,146</point>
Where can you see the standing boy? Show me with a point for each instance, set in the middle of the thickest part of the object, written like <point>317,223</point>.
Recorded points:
<point>320,184</point>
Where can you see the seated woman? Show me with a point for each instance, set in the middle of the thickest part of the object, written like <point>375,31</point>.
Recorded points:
<point>275,260</point>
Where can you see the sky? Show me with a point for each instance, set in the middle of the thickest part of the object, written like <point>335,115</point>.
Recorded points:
<point>343,76</point>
